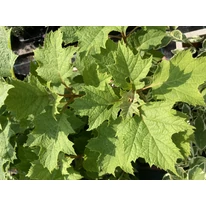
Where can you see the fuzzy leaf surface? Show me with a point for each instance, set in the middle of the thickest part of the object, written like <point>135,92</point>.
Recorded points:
<point>149,136</point>
<point>91,38</point>
<point>27,98</point>
<point>147,38</point>
<point>7,57</point>
<point>179,79</point>
<point>110,149</point>
<point>54,61</point>
<point>51,137</point>
<point>129,65</point>
<point>98,105</point>
<point>7,151</point>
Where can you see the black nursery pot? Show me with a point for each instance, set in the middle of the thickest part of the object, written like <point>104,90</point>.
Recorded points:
<point>145,172</point>
<point>150,173</point>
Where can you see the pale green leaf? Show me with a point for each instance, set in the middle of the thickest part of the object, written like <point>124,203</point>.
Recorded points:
<point>68,171</point>
<point>7,151</point>
<point>128,65</point>
<point>4,88</point>
<point>149,136</point>
<point>130,103</point>
<point>197,172</point>
<point>27,98</point>
<point>91,38</point>
<point>179,79</point>
<point>110,149</point>
<point>54,61</point>
<point>51,136</point>
<point>98,104</point>
<point>7,57</point>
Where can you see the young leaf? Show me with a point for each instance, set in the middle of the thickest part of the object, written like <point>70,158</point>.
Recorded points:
<point>51,137</point>
<point>98,105</point>
<point>27,98</point>
<point>54,61</point>
<point>7,57</point>
<point>130,103</point>
<point>177,80</point>
<point>149,136</point>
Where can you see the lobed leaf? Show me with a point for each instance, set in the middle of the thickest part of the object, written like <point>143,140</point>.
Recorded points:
<point>54,61</point>
<point>98,105</point>
<point>51,137</point>
<point>128,65</point>
<point>27,98</point>
<point>179,79</point>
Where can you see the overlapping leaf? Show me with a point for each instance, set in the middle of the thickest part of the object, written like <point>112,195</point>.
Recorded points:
<point>54,61</point>
<point>91,38</point>
<point>69,33</point>
<point>7,151</point>
<point>179,79</point>
<point>110,149</point>
<point>147,38</point>
<point>128,65</point>
<point>4,88</point>
<point>51,136</point>
<point>98,105</point>
<point>25,99</point>
<point>7,57</point>
<point>149,136</point>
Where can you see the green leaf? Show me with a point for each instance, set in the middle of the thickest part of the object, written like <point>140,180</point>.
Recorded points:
<point>38,172</point>
<point>90,160</point>
<point>7,151</point>
<point>110,149</point>
<point>7,57</point>
<point>176,34</point>
<point>177,80</point>
<point>197,172</point>
<point>129,65</point>
<point>69,33</point>
<point>68,171</point>
<point>149,136</point>
<point>200,133</point>
<point>54,61</point>
<point>27,98</point>
<point>91,38</point>
<point>130,103</point>
<point>98,105</point>
<point>106,57</point>
<point>51,137</point>
<point>4,88</point>
<point>148,38</point>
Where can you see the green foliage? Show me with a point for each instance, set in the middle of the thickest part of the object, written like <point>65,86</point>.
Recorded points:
<point>7,57</point>
<point>94,118</point>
